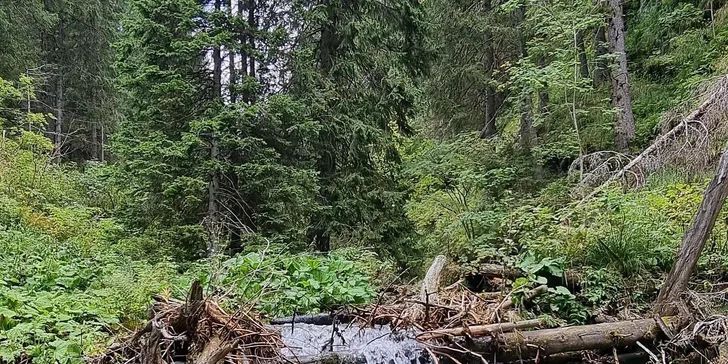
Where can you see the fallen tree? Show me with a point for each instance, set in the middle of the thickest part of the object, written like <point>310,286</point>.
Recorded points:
<point>569,278</point>
<point>686,141</point>
<point>529,344</point>
<point>481,330</point>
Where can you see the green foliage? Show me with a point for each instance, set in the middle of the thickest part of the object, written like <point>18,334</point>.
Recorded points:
<point>70,276</point>
<point>282,285</point>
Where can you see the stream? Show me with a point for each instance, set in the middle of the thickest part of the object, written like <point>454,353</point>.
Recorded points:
<point>351,344</point>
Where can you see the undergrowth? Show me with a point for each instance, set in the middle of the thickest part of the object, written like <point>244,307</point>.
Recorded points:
<point>72,276</point>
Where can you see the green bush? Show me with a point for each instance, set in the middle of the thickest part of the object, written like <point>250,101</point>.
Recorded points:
<point>282,284</point>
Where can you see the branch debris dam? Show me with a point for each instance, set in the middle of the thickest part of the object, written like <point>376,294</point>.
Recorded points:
<point>351,344</point>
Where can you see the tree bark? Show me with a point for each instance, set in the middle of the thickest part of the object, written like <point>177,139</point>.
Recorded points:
<point>489,129</point>
<point>58,125</point>
<point>621,99</point>
<point>695,238</point>
<point>482,330</point>
<point>489,93</point>
<point>217,63</point>
<point>243,39</point>
<point>529,344</point>
<point>213,209</point>
<point>526,134</point>
<point>601,69</point>
<point>253,27</point>
<point>232,68</point>
<point>583,62</point>
<point>94,142</point>
<point>526,102</point>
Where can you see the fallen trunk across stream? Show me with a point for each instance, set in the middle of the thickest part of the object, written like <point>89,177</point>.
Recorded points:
<point>529,344</point>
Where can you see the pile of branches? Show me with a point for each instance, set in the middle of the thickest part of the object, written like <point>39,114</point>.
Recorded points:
<point>458,324</point>
<point>196,331</point>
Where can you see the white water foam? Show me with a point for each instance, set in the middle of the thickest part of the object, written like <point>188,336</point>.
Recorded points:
<point>378,345</point>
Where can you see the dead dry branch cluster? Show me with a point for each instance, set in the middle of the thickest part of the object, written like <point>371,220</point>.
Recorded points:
<point>688,140</point>
<point>197,331</point>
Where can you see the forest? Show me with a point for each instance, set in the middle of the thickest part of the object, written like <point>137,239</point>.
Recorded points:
<point>485,181</point>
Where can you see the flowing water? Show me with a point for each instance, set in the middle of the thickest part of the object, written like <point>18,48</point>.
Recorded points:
<point>351,344</point>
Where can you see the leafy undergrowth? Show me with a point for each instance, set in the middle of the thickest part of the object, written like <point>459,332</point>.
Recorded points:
<point>71,276</point>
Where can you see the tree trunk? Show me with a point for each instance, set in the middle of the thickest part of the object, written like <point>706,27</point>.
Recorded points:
<point>103,140</point>
<point>526,101</point>
<point>583,62</point>
<point>529,344</point>
<point>58,125</point>
<point>213,209</point>
<point>482,330</point>
<point>243,39</point>
<point>526,134</point>
<point>489,129</point>
<point>695,237</point>
<point>621,99</point>
<point>253,28</point>
<point>232,80</point>
<point>217,63</point>
<point>601,69</point>
<point>94,142</point>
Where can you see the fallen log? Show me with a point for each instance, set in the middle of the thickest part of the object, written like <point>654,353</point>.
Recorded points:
<point>481,330</point>
<point>498,270</point>
<point>639,357</point>
<point>694,119</point>
<point>569,279</point>
<point>316,319</point>
<point>529,344</point>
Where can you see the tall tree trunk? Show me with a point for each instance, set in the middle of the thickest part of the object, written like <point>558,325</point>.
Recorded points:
<point>583,62</point>
<point>243,39</point>
<point>232,77</point>
<point>213,209</point>
<point>94,142</point>
<point>489,129</point>
<point>217,63</point>
<point>601,69</point>
<point>526,133</point>
<point>103,140</point>
<point>253,26</point>
<point>694,239</point>
<point>58,125</point>
<point>621,99</point>
<point>543,102</point>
